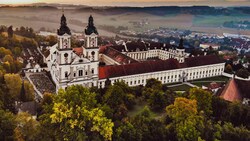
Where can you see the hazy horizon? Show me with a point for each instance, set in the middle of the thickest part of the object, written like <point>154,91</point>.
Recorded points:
<point>136,3</point>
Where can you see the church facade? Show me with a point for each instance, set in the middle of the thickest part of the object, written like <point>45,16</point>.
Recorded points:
<point>68,68</point>
<point>131,62</point>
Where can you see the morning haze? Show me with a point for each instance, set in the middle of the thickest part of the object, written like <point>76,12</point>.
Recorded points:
<point>137,2</point>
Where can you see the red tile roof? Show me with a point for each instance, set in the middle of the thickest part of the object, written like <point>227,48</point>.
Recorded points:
<point>78,50</point>
<point>214,85</point>
<point>244,87</point>
<point>141,46</point>
<point>202,60</point>
<point>231,92</point>
<point>118,56</point>
<point>154,66</point>
<point>137,68</point>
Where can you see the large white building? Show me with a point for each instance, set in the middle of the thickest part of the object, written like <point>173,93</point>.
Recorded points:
<point>132,62</point>
<point>69,68</point>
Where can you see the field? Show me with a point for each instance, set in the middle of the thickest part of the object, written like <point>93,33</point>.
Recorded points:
<point>50,19</point>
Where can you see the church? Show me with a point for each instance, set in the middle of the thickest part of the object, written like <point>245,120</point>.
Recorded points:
<point>131,62</point>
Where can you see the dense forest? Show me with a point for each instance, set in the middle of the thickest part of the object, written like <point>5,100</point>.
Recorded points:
<point>80,113</point>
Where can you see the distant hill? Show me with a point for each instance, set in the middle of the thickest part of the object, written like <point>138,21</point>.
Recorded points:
<point>165,10</point>
<point>157,10</point>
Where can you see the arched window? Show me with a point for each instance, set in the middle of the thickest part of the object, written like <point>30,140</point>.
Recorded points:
<point>80,73</point>
<point>66,57</point>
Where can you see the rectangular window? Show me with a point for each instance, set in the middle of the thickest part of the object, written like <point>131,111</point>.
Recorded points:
<point>80,73</point>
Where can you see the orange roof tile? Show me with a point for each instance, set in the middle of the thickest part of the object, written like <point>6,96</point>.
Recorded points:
<point>231,92</point>
<point>78,50</point>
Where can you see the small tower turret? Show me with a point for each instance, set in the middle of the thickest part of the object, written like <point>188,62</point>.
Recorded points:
<point>181,51</point>
<point>91,50</point>
<point>64,55</point>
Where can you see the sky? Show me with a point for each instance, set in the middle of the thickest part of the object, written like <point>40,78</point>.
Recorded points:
<point>136,2</point>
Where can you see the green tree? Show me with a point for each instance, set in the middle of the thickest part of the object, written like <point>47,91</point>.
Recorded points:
<point>4,52</point>
<point>8,58</point>
<point>154,84</point>
<point>27,128</point>
<point>10,32</point>
<point>13,83</point>
<point>75,112</point>
<point>47,99</point>
<point>182,109</point>
<point>188,124</point>
<point>157,100</point>
<point>17,51</point>
<point>6,66</point>
<point>243,73</point>
<point>229,132</point>
<point>228,68</point>
<point>119,94</point>
<point>141,127</point>
<point>29,91</point>
<point>126,132</point>
<point>203,98</point>
<point>7,125</point>
<point>219,107</point>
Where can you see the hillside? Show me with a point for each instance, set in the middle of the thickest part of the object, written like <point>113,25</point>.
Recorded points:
<point>197,18</point>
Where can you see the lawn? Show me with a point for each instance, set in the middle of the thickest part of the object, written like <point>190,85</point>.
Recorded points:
<point>183,87</point>
<point>138,108</point>
<point>216,78</point>
<point>200,84</point>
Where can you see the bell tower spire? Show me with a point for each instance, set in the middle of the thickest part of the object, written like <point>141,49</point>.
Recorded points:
<point>91,49</point>
<point>64,34</point>
<point>64,29</point>
<point>91,28</point>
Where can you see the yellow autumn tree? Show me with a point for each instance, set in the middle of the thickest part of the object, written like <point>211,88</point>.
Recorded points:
<point>75,111</point>
<point>13,83</point>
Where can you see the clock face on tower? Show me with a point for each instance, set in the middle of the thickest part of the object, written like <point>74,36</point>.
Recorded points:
<point>65,43</point>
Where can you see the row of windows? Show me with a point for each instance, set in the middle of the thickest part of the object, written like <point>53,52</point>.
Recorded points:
<point>80,73</point>
<point>175,78</point>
